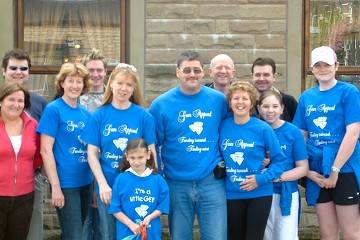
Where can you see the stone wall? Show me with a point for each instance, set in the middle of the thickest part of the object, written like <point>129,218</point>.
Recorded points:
<point>244,29</point>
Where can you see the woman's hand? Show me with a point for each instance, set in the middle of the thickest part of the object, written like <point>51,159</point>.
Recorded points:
<point>57,197</point>
<point>331,181</point>
<point>105,193</point>
<point>135,228</point>
<point>146,220</point>
<point>316,177</point>
<point>266,162</point>
<point>249,184</point>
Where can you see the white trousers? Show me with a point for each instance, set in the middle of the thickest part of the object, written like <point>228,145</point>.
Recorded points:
<point>280,227</point>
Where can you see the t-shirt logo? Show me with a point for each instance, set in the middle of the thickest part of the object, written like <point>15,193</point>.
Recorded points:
<point>320,122</point>
<point>237,157</point>
<point>120,143</point>
<point>142,210</point>
<point>197,127</point>
<point>71,125</point>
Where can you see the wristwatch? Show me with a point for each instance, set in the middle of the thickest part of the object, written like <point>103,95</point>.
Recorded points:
<point>335,169</point>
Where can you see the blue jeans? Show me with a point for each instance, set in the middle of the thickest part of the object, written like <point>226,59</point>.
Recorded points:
<point>107,221</point>
<point>91,224</point>
<point>36,227</point>
<point>207,199</point>
<point>72,216</point>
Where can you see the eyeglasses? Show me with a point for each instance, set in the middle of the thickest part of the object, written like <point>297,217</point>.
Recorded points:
<point>188,70</point>
<point>226,67</point>
<point>14,68</point>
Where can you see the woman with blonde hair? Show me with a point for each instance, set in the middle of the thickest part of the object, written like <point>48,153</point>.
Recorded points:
<point>244,142</point>
<point>63,151</point>
<point>19,158</point>
<point>121,118</point>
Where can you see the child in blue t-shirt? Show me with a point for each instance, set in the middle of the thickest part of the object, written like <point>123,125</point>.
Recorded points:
<point>140,195</point>
<point>283,219</point>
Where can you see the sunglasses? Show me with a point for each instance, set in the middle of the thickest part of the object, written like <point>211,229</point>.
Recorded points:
<point>14,68</point>
<point>188,70</point>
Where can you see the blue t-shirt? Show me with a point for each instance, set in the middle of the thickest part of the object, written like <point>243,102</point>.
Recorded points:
<point>243,148</point>
<point>187,128</point>
<point>110,129</point>
<point>138,197</point>
<point>292,144</point>
<point>66,124</point>
<point>325,115</point>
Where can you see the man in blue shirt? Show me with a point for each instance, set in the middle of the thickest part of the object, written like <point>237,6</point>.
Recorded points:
<point>187,126</point>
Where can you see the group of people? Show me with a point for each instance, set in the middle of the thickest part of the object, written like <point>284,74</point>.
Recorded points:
<point>226,153</point>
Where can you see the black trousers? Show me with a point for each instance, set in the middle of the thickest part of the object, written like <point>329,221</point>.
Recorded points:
<point>247,218</point>
<point>15,216</point>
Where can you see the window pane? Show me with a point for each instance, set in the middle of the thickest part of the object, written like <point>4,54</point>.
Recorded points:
<point>353,79</point>
<point>56,31</point>
<point>42,84</point>
<point>337,24</point>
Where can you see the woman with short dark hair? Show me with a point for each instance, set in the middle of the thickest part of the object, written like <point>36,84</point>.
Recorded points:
<point>19,158</point>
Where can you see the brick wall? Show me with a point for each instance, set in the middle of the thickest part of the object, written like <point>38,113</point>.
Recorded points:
<point>244,29</point>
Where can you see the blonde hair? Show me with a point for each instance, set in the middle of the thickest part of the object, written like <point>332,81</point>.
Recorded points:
<point>136,97</point>
<point>94,54</point>
<point>245,87</point>
<point>72,69</point>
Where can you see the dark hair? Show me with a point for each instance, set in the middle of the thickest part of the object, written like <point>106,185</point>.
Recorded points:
<point>137,143</point>
<point>16,53</point>
<point>264,62</point>
<point>94,54</point>
<point>9,88</point>
<point>269,93</point>
<point>189,56</point>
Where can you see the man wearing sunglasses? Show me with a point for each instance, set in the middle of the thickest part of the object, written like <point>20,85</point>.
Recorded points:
<point>187,126</point>
<point>15,65</point>
<point>221,72</point>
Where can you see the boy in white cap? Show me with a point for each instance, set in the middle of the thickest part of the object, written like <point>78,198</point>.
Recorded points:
<point>328,115</point>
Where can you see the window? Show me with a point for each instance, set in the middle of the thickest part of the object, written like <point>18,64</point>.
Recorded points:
<point>58,31</point>
<point>335,23</point>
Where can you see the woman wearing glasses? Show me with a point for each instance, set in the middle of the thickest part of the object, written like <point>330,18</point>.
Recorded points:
<point>63,151</point>
<point>244,142</point>
<point>328,115</point>
<point>120,119</point>
<point>19,157</point>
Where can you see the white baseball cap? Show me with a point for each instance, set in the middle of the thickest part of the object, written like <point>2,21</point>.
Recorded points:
<point>323,54</point>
